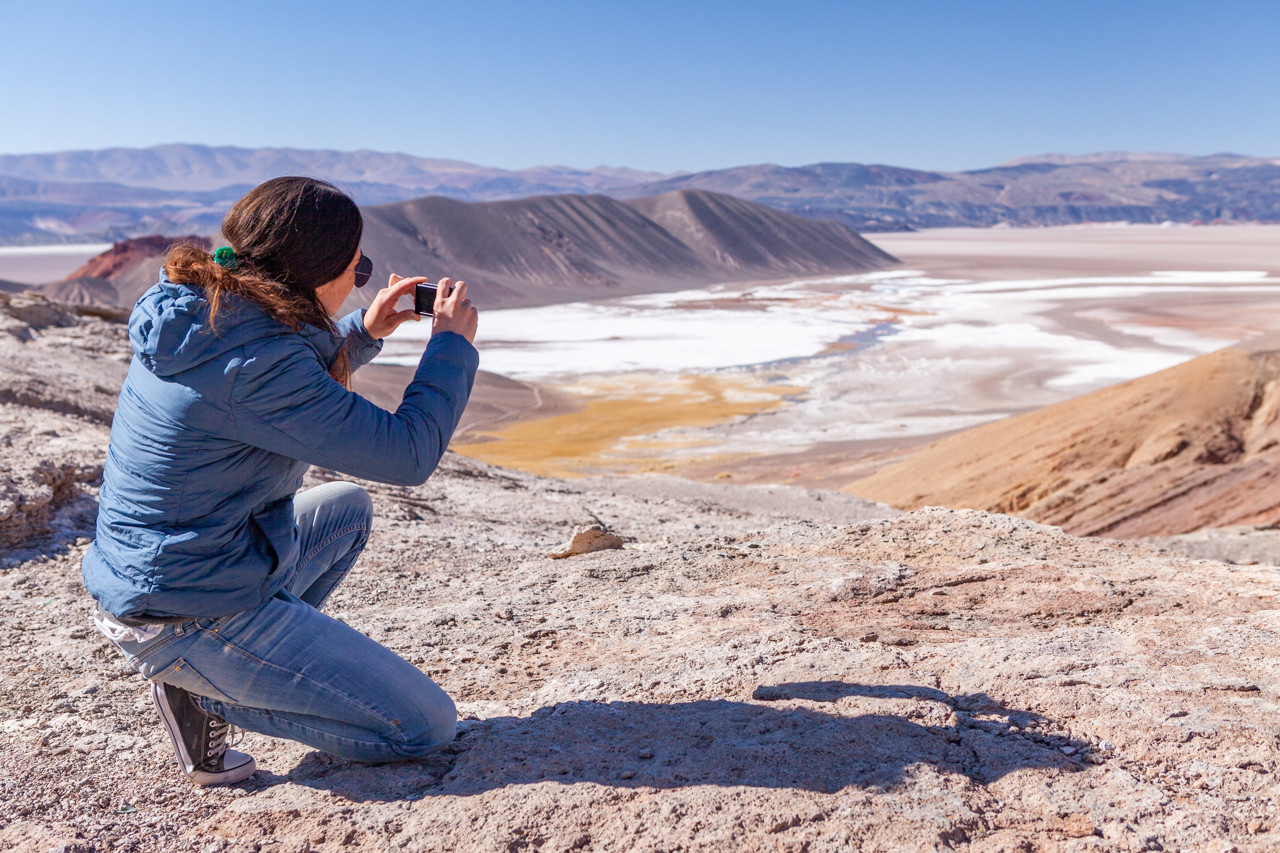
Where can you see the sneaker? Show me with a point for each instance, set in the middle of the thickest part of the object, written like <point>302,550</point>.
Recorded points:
<point>200,739</point>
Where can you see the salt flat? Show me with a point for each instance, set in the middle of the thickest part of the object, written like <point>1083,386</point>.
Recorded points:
<point>43,264</point>
<point>975,326</point>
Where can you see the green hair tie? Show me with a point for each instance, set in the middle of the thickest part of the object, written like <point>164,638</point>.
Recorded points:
<point>225,257</point>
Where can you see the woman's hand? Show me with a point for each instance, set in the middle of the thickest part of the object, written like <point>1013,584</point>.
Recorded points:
<point>454,311</point>
<point>381,318</point>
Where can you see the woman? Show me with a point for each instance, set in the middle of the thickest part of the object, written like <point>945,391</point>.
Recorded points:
<point>208,572</point>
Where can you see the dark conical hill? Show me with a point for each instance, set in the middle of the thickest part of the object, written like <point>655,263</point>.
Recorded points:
<point>559,248</point>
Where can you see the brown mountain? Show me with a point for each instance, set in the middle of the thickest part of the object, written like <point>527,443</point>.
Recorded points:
<point>559,248</point>
<point>1191,447</point>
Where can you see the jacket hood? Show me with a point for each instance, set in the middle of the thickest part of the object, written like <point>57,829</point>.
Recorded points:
<point>170,332</point>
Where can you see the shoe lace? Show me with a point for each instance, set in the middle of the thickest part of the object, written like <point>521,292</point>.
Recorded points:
<point>221,735</point>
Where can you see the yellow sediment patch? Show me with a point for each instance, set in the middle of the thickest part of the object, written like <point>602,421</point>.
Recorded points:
<point>626,424</point>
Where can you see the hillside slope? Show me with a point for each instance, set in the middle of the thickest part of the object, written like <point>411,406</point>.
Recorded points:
<point>736,234</point>
<point>1194,446</point>
<point>558,248</point>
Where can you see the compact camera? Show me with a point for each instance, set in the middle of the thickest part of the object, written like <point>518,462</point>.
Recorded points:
<point>424,298</point>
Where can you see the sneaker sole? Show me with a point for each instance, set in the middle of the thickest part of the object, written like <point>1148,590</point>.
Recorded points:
<point>229,775</point>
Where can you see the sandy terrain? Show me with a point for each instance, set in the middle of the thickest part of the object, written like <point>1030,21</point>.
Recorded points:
<point>496,401</point>
<point>1194,446</point>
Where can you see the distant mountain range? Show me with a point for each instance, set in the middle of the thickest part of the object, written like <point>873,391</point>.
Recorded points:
<point>1047,190</point>
<point>121,192</point>
<point>116,193</point>
<point>549,249</point>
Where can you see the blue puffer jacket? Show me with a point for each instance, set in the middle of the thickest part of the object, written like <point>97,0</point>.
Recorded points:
<point>213,434</point>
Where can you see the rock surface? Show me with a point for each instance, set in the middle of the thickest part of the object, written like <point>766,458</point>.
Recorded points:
<point>759,668</point>
<point>588,540</point>
<point>57,394</point>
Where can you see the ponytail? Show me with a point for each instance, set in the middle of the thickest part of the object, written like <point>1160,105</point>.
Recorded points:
<point>186,263</point>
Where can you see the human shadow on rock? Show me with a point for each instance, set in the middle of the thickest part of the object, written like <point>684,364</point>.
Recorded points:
<point>719,742</point>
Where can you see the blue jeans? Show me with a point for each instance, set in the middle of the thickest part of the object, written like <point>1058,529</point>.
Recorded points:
<point>287,670</point>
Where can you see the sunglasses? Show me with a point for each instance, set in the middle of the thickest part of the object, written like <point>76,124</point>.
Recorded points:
<point>364,269</point>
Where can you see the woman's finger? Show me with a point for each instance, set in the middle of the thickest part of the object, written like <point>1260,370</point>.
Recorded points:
<point>401,316</point>
<point>387,298</point>
<point>405,284</point>
<point>443,291</point>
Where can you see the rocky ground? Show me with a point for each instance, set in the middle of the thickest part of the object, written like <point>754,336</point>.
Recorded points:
<point>757,668</point>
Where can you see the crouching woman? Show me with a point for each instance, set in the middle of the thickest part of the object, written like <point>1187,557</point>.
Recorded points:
<point>209,571</point>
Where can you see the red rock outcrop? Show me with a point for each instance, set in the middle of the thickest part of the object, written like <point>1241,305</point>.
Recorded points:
<point>118,276</point>
<point>125,255</point>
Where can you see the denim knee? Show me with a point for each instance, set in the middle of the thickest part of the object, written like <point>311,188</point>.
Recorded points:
<point>348,499</point>
<point>353,497</point>
<point>434,724</point>
<point>362,502</point>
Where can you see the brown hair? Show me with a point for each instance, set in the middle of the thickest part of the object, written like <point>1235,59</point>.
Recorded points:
<point>290,236</point>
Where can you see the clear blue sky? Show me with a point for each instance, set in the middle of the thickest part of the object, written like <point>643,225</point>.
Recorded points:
<point>654,85</point>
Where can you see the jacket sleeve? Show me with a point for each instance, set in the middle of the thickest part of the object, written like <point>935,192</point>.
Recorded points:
<point>361,346</point>
<point>284,401</point>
